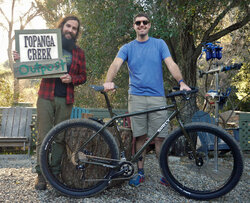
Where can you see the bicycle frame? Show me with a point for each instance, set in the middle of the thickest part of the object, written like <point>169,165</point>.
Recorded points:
<point>162,126</point>
<point>174,114</point>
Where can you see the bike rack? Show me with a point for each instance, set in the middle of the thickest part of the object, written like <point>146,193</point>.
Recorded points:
<point>214,51</point>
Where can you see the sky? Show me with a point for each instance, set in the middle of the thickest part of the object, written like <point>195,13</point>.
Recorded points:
<point>21,7</point>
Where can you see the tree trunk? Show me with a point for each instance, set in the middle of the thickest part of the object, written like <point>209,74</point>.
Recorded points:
<point>187,63</point>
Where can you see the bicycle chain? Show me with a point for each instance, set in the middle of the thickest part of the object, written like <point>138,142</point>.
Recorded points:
<point>89,180</point>
<point>84,156</point>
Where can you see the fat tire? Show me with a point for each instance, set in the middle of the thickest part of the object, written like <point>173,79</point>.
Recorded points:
<point>184,189</point>
<point>64,189</point>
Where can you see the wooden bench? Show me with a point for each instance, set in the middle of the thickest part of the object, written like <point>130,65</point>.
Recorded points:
<point>16,127</point>
<point>77,112</point>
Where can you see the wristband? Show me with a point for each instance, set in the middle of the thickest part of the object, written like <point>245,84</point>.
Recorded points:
<point>180,81</point>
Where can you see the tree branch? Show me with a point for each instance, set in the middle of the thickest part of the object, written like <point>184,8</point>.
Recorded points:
<point>172,50</point>
<point>1,11</point>
<point>29,15</point>
<point>229,29</point>
<point>3,26</point>
<point>217,20</point>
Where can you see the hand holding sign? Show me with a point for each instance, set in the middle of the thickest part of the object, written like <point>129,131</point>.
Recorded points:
<point>39,54</point>
<point>16,56</point>
<point>66,78</point>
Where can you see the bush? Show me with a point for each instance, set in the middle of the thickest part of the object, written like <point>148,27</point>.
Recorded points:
<point>6,90</point>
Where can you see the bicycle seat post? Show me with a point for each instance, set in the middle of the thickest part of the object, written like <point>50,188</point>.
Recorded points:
<point>108,104</point>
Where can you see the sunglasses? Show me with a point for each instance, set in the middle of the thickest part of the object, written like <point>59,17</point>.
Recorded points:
<point>138,23</point>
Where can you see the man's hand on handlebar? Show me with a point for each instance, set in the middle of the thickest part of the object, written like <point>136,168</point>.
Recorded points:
<point>183,86</point>
<point>108,86</point>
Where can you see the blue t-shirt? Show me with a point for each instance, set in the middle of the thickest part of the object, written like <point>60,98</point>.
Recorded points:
<point>145,66</point>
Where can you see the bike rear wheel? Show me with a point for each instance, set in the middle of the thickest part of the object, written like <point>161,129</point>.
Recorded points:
<point>66,169</point>
<point>200,179</point>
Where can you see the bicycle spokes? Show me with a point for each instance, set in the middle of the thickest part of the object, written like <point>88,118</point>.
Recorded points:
<point>202,175</point>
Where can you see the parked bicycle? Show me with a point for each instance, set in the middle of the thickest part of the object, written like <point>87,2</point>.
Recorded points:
<point>98,160</point>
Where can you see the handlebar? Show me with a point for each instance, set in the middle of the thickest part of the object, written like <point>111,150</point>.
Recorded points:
<point>235,66</point>
<point>183,93</point>
<point>99,88</point>
<point>172,94</point>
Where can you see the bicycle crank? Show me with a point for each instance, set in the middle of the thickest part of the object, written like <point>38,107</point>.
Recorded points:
<point>127,168</point>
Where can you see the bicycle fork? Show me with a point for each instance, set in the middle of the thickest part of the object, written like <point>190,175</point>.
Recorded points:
<point>198,160</point>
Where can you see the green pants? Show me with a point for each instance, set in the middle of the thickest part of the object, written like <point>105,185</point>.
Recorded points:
<point>50,113</point>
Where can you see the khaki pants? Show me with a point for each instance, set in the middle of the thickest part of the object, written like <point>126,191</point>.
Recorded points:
<point>50,113</point>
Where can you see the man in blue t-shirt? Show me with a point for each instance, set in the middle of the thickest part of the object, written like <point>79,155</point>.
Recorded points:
<point>144,56</point>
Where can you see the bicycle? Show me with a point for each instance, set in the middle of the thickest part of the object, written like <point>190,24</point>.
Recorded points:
<point>97,159</point>
<point>213,52</point>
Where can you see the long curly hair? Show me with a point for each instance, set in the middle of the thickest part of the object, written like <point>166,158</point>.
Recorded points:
<point>67,18</point>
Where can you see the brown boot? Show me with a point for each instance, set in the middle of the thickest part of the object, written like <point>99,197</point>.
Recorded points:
<point>40,183</point>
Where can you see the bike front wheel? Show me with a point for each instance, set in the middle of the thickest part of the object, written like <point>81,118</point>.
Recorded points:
<point>74,172</point>
<point>207,174</point>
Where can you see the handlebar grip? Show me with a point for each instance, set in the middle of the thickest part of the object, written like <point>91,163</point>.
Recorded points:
<point>182,93</point>
<point>235,66</point>
<point>99,88</point>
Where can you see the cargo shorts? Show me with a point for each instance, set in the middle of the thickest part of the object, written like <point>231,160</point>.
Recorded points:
<point>147,123</point>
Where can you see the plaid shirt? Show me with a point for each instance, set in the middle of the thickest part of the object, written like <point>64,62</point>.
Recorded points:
<point>77,73</point>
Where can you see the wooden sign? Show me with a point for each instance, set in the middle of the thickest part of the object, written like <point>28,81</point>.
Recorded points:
<point>40,54</point>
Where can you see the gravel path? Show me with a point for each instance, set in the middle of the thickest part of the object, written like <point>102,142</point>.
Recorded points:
<point>17,179</point>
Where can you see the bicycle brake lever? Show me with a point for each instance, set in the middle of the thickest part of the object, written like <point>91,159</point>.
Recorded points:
<point>187,94</point>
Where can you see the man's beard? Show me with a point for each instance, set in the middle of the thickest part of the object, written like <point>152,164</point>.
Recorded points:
<point>143,35</point>
<point>68,44</point>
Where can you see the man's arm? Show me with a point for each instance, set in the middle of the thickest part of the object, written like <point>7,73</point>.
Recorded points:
<point>77,74</point>
<point>112,72</point>
<point>175,71</point>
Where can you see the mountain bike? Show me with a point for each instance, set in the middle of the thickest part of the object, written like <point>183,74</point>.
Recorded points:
<point>98,160</point>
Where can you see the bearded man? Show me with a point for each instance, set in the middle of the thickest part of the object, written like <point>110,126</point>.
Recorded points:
<point>56,95</point>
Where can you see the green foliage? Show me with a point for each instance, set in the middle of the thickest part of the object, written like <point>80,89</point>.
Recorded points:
<point>107,25</point>
<point>6,92</point>
<point>241,81</point>
<point>53,10</point>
